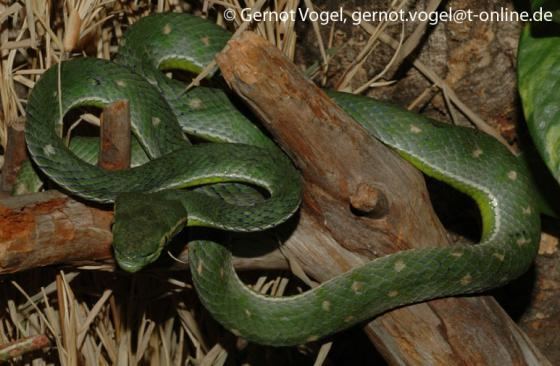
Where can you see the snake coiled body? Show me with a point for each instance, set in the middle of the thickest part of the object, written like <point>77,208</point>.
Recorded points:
<point>150,209</point>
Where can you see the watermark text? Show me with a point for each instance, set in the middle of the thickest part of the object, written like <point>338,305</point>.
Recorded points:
<point>357,17</point>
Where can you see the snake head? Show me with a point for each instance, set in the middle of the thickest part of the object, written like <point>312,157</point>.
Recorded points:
<point>144,224</point>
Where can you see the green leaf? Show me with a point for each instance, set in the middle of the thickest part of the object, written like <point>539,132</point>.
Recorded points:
<point>538,68</point>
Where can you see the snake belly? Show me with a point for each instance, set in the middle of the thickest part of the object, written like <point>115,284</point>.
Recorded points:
<point>470,161</point>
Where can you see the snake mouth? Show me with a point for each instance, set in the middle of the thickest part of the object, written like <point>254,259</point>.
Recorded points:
<point>129,264</point>
<point>135,262</point>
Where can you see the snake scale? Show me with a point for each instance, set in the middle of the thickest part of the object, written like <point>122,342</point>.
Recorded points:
<point>150,207</point>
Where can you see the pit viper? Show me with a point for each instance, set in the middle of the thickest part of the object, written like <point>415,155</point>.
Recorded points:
<point>152,202</point>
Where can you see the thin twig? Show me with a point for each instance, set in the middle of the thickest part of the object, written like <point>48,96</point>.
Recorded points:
<point>23,346</point>
<point>414,39</point>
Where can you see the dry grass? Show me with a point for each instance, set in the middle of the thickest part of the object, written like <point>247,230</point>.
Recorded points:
<point>99,317</point>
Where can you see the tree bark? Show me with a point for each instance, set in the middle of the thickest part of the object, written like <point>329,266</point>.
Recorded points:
<point>337,159</point>
<point>46,228</point>
<point>115,137</point>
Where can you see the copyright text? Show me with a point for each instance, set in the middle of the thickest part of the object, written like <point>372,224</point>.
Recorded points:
<point>357,17</point>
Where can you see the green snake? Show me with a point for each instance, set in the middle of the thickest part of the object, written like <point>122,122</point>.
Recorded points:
<point>152,201</point>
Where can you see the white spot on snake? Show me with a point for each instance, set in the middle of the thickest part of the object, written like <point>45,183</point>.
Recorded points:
<point>415,129</point>
<point>512,174</point>
<point>167,29</point>
<point>49,150</point>
<point>248,313</point>
<point>357,287</point>
<point>312,339</point>
<point>326,305</point>
<point>348,319</point>
<point>199,268</point>
<point>393,293</point>
<point>205,41</point>
<point>121,83</point>
<point>522,241</point>
<point>195,103</point>
<point>457,254</point>
<point>156,121</point>
<point>466,280</point>
<point>399,265</point>
<point>527,210</point>
<point>477,152</point>
<point>235,331</point>
<point>499,256</point>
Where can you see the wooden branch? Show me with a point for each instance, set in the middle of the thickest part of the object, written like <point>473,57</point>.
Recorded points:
<point>45,228</point>
<point>48,228</point>
<point>114,139</point>
<point>338,159</point>
<point>15,155</point>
